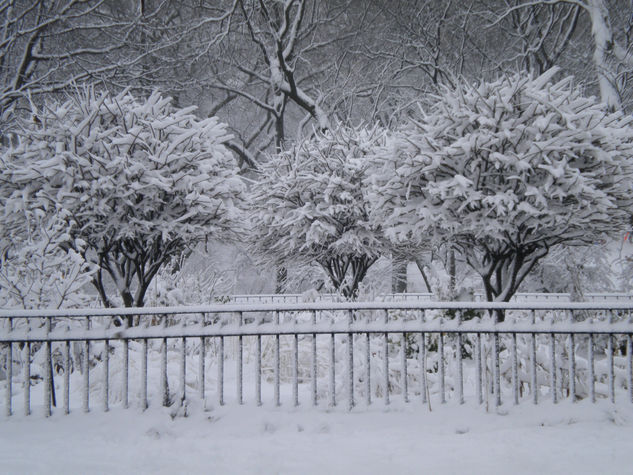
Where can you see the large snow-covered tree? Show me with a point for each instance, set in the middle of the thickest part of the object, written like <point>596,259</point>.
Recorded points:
<point>137,182</point>
<point>310,205</point>
<point>504,171</point>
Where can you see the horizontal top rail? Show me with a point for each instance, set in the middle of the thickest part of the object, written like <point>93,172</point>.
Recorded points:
<point>435,326</point>
<point>318,306</point>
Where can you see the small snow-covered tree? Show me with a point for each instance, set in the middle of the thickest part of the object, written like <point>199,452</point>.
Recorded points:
<point>136,181</point>
<point>38,268</point>
<point>310,205</point>
<point>504,171</point>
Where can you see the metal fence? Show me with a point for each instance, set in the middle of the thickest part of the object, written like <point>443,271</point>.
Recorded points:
<point>334,354</point>
<point>426,297</point>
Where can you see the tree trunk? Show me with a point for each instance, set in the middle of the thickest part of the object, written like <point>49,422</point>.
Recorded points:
<point>398,273</point>
<point>281,280</point>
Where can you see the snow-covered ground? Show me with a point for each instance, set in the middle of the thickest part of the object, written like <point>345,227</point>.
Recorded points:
<point>564,438</point>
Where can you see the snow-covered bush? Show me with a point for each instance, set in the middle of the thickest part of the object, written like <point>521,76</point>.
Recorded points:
<point>504,171</point>
<point>310,205</point>
<point>35,269</point>
<point>136,182</point>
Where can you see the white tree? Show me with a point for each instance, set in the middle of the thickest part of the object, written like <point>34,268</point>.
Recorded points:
<point>504,171</point>
<point>310,205</point>
<point>136,181</point>
<point>37,267</point>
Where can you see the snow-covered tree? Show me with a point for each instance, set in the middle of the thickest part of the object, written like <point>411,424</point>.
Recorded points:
<point>504,171</point>
<point>310,205</point>
<point>37,267</point>
<point>136,182</point>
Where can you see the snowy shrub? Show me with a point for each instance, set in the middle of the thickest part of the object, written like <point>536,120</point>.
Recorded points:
<point>310,205</point>
<point>36,271</point>
<point>506,170</point>
<point>136,181</point>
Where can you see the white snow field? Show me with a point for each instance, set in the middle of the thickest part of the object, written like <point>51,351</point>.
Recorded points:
<point>564,438</point>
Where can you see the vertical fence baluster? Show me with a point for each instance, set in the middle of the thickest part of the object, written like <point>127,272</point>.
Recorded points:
<point>386,359</point>
<point>164,382</point>
<point>368,372</point>
<point>277,394</point>
<point>66,377</point>
<point>9,370</point>
<point>515,370</point>
<point>48,371</point>
<point>106,374</point>
<point>258,370</point>
<point>295,365</point>
<point>552,377</point>
<point>240,365</point>
<point>460,367</point>
<point>478,372</point>
<point>572,361</point>
<point>221,371</point>
<point>405,382</point>
<point>201,359</point>
<point>314,362</point>
<point>26,377</point>
<point>533,362</point>
<point>610,361</point>
<point>441,368</point>
<point>497,369</point>
<point>422,360</point>
<point>611,367</point>
<point>629,365</point>
<point>126,371</point>
<point>332,368</point>
<point>144,402</point>
<point>86,374</point>
<point>591,373</point>
<point>183,369</point>
<point>350,362</point>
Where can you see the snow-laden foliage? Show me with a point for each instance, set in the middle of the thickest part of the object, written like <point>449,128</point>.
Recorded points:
<point>310,205</point>
<point>136,181</point>
<point>38,268</point>
<point>505,170</point>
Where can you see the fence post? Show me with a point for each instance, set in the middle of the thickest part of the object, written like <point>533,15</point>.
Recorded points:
<point>572,361</point>
<point>126,365</point>
<point>422,358</point>
<point>9,370</point>
<point>386,359</point>
<point>277,369</point>
<point>460,368</point>
<point>86,375</point>
<point>201,359</point>
<point>350,361</point>
<point>314,361</point>
<point>240,366</point>
<point>533,362</point>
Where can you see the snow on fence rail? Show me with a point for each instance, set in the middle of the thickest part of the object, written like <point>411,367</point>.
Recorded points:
<point>425,296</point>
<point>365,350</point>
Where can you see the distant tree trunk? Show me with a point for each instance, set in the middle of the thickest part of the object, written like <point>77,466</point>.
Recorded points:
<point>398,273</point>
<point>452,273</point>
<point>281,280</point>
<point>420,264</point>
